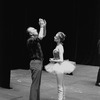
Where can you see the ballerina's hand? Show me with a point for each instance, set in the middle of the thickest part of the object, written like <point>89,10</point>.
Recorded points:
<point>51,59</point>
<point>54,60</point>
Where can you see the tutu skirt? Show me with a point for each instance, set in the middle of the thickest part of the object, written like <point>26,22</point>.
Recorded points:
<point>64,67</point>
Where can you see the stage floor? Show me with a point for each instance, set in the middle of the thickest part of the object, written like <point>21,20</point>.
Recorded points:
<point>79,86</point>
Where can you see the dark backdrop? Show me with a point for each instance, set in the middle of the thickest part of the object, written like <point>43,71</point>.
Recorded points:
<point>80,21</point>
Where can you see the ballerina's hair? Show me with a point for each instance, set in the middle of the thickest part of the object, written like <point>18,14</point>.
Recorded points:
<point>62,36</point>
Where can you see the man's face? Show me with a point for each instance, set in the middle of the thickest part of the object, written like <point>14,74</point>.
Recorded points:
<point>33,32</point>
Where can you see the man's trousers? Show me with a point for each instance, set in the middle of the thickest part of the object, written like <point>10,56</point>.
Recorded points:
<point>36,71</point>
<point>98,78</point>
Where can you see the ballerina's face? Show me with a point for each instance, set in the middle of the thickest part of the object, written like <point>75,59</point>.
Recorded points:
<point>59,37</point>
<point>56,38</point>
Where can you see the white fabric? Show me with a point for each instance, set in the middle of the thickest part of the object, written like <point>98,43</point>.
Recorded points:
<point>60,49</point>
<point>64,67</point>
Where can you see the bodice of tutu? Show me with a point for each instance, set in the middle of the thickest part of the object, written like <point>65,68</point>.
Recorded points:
<point>56,54</point>
<point>57,51</point>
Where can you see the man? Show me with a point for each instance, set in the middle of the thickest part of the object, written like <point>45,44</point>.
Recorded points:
<point>98,75</point>
<point>36,58</point>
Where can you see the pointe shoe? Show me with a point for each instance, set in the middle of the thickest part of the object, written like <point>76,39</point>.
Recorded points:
<point>64,97</point>
<point>61,95</point>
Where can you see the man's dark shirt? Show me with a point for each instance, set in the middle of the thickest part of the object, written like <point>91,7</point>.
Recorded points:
<point>35,51</point>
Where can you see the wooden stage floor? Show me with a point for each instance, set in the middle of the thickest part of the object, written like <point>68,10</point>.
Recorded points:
<point>79,86</point>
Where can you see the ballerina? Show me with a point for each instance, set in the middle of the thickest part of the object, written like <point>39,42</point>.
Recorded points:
<point>58,66</point>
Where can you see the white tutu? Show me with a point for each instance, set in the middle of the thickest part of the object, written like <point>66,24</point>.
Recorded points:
<point>65,67</point>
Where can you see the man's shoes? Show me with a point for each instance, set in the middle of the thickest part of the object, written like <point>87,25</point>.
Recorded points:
<point>97,84</point>
<point>7,87</point>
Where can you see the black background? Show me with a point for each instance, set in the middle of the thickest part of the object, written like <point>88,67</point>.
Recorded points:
<point>79,20</point>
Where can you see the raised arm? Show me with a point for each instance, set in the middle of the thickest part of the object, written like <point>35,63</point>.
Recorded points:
<point>42,32</point>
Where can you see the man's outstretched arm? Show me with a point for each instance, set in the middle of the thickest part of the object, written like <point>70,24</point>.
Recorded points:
<point>42,32</point>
